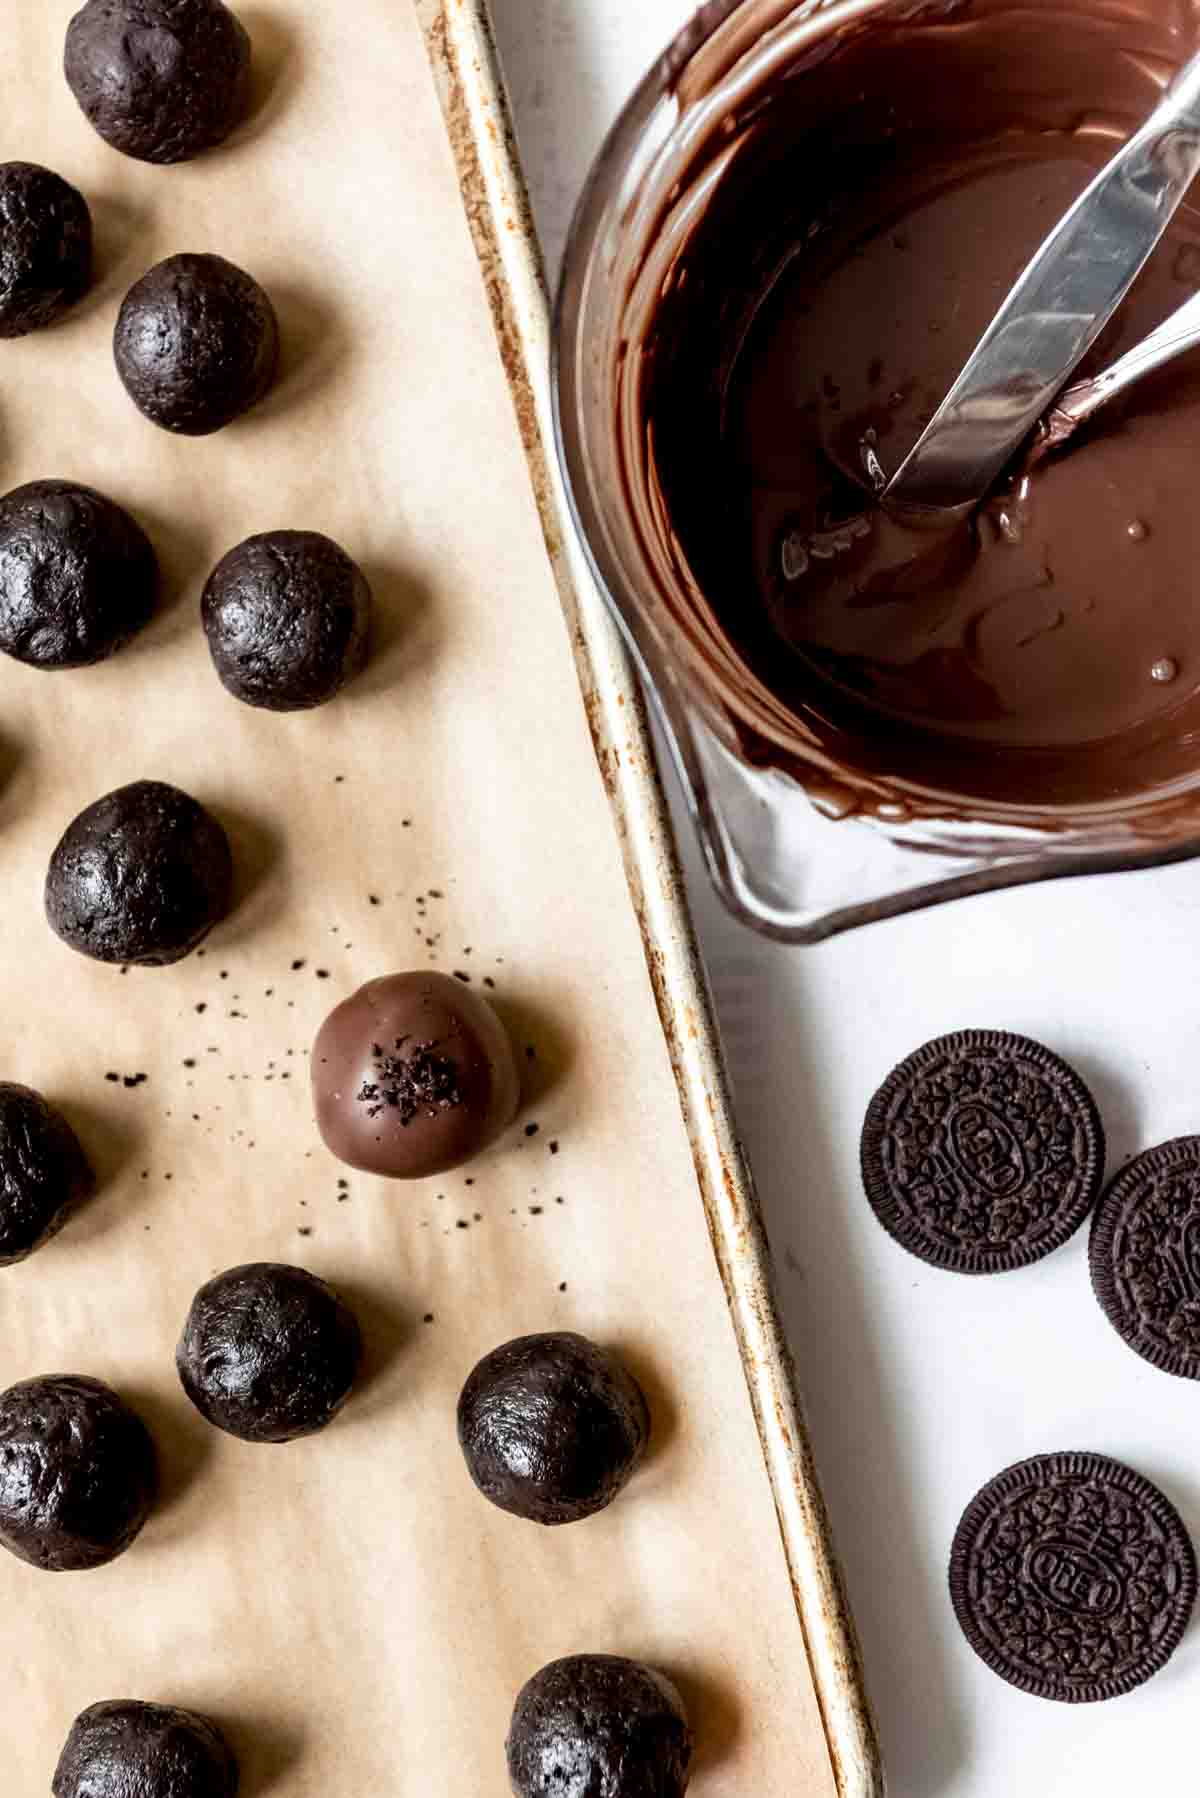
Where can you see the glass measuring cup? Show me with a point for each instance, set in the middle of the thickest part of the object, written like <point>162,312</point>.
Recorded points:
<point>800,844</point>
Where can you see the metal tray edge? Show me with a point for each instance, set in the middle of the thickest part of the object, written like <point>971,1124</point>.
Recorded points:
<point>466,68</point>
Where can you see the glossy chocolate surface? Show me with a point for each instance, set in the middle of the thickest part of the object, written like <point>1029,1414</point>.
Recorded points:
<point>875,209</point>
<point>412,1075</point>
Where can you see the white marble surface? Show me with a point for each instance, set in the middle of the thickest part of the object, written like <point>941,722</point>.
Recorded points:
<point>921,1385</point>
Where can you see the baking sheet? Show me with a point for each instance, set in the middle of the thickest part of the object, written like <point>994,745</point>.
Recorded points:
<point>348,1607</point>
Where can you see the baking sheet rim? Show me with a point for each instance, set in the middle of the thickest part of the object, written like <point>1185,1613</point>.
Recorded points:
<point>462,49</point>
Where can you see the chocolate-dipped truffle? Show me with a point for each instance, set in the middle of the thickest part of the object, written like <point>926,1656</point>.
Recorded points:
<point>599,1726</point>
<point>160,80</point>
<point>44,1173</point>
<point>268,1352</point>
<point>77,1473</point>
<point>196,344</point>
<point>412,1075</point>
<point>286,615</point>
<point>45,247</point>
<point>124,1749</point>
<point>552,1427</point>
<point>140,876</point>
<point>78,577</point>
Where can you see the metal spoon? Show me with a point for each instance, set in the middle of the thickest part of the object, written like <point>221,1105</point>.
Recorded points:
<point>1054,314</point>
<point>1176,334</point>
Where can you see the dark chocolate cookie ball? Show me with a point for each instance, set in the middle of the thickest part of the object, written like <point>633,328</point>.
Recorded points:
<point>161,80</point>
<point>140,876</point>
<point>286,615</point>
<point>196,344</point>
<point>599,1726</point>
<point>552,1427</point>
<point>269,1353</point>
<point>44,1173</point>
<point>77,1473</point>
<point>123,1749</point>
<point>412,1075</point>
<point>45,247</point>
<point>77,576</point>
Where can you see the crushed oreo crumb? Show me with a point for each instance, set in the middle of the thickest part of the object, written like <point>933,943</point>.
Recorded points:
<point>531,1129</point>
<point>411,1081</point>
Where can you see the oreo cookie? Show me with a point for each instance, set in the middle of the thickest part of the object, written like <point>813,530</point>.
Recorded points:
<point>1145,1256</point>
<point>982,1152</point>
<point>1072,1577</point>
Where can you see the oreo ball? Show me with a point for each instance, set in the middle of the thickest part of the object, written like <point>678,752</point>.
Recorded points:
<point>599,1726</point>
<point>286,615</point>
<point>44,1173</point>
<point>413,1075</point>
<point>124,1749</point>
<point>77,1473</point>
<point>160,80</point>
<point>45,247</point>
<point>268,1352</point>
<point>140,877</point>
<point>78,577</point>
<point>196,344</point>
<point>552,1427</point>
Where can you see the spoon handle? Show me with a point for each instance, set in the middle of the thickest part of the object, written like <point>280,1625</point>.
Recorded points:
<point>1179,332</point>
<point>1056,310</point>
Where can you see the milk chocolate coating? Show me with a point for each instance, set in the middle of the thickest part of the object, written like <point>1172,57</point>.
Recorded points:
<point>287,616</point>
<point>412,1075</point>
<point>599,1726</point>
<point>124,1749</point>
<point>44,1173</point>
<point>879,203</point>
<point>45,247</point>
<point>140,876</point>
<point>268,1352</point>
<point>160,80</point>
<point>77,1473</point>
<point>552,1427</point>
<point>196,344</point>
<point>78,577</point>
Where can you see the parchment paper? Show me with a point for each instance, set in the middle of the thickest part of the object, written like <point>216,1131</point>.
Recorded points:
<point>348,1607</point>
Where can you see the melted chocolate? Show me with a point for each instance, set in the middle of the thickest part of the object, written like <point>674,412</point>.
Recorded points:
<point>876,207</point>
